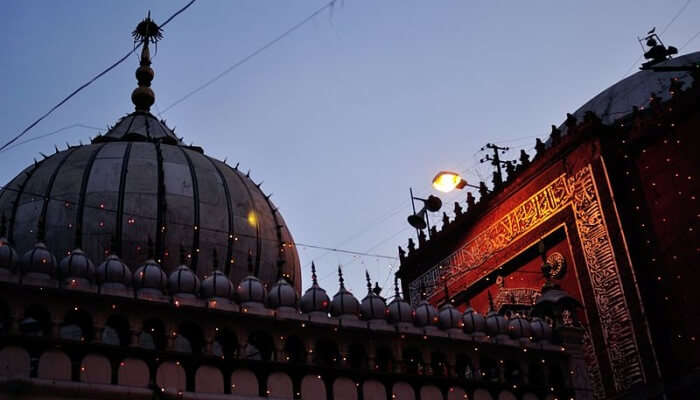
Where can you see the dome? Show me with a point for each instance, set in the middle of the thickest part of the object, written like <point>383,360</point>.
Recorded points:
<point>373,305</point>
<point>315,300</point>
<point>217,285</point>
<point>138,180</point>
<point>183,281</point>
<point>344,304</point>
<point>540,330</point>
<point>150,276</point>
<point>113,273</point>
<point>635,91</point>
<point>473,321</point>
<point>8,255</point>
<point>76,266</point>
<point>518,327</point>
<point>39,262</point>
<point>282,296</point>
<point>398,309</point>
<point>250,291</point>
<point>496,324</point>
<point>425,314</point>
<point>449,317</point>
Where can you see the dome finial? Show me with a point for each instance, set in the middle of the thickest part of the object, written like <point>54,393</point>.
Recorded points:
<point>215,259</point>
<point>314,280</point>
<point>396,286</point>
<point>250,262</point>
<point>369,282</point>
<point>340,277</point>
<point>147,31</point>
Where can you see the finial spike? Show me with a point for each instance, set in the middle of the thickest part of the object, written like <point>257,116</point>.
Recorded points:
<point>369,282</point>
<point>147,31</point>
<point>313,273</point>
<point>250,262</point>
<point>340,277</point>
<point>396,286</point>
<point>183,256</point>
<point>215,259</point>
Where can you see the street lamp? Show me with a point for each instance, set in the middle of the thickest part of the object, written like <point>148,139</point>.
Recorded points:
<point>447,181</point>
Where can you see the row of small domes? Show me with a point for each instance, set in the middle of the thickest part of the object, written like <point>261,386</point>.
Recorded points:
<point>77,269</point>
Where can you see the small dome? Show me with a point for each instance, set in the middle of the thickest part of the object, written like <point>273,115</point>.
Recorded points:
<point>449,317</point>
<point>39,261</point>
<point>217,285</point>
<point>344,304</point>
<point>183,281</point>
<point>113,272</point>
<point>8,256</point>
<point>250,290</point>
<point>518,327</point>
<point>398,309</point>
<point>473,321</point>
<point>315,299</point>
<point>425,314</point>
<point>282,296</point>
<point>150,276</point>
<point>496,324</point>
<point>373,305</point>
<point>540,330</point>
<point>75,266</point>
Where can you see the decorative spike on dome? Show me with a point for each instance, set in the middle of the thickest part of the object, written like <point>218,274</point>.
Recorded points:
<point>314,279</point>
<point>340,277</point>
<point>215,260</point>
<point>396,287</point>
<point>151,251</point>
<point>183,255</point>
<point>147,31</point>
<point>369,282</point>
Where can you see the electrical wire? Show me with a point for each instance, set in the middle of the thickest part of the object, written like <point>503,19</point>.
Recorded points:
<point>248,57</point>
<point>86,84</point>
<point>59,130</point>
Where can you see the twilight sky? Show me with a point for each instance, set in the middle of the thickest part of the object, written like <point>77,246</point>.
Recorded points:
<point>341,117</point>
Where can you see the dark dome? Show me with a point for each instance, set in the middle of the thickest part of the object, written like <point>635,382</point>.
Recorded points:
<point>137,190</point>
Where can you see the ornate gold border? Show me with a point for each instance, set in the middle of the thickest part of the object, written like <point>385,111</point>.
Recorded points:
<point>580,192</point>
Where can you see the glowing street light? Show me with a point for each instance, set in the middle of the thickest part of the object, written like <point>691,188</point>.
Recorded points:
<point>446,181</point>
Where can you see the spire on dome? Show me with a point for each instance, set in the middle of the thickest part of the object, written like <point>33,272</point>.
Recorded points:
<point>369,282</point>
<point>340,277</point>
<point>147,31</point>
<point>314,280</point>
<point>396,287</point>
<point>215,260</point>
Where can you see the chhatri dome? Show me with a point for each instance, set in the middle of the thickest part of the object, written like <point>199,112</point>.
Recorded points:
<point>139,192</point>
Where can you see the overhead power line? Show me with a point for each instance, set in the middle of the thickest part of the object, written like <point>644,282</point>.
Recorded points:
<point>88,83</point>
<point>248,57</point>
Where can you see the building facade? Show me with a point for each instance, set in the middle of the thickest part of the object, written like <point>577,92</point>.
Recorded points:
<point>608,210</point>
